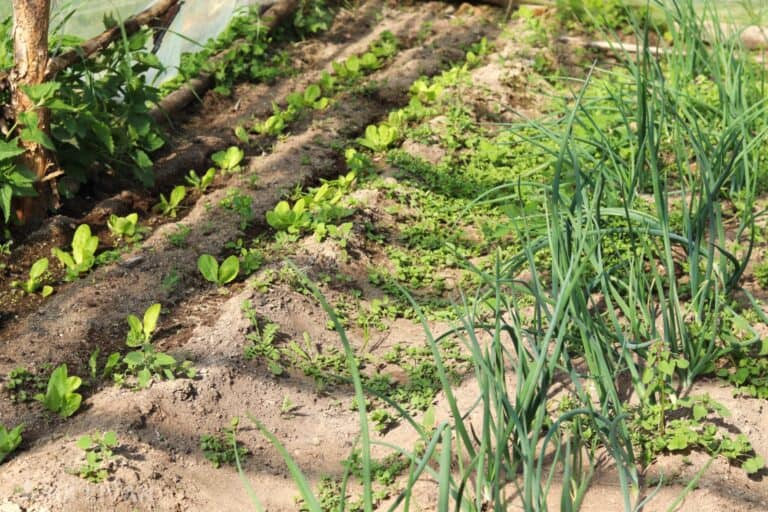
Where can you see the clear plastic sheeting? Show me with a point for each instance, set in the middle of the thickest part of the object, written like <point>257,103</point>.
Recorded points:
<point>196,22</point>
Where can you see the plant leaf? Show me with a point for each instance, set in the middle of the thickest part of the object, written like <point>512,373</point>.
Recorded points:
<point>208,267</point>
<point>229,269</point>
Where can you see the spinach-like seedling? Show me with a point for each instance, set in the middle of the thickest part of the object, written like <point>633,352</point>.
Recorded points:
<point>124,228</point>
<point>214,273</point>
<point>201,184</point>
<point>98,453</point>
<point>378,138</point>
<point>82,258</point>
<point>9,440</point>
<point>169,206</point>
<point>34,282</point>
<point>292,220</point>
<point>229,160</point>
<point>60,396</point>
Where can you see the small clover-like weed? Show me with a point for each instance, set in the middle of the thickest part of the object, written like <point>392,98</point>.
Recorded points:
<point>36,279</point>
<point>82,258</point>
<point>22,385</point>
<point>60,395</point>
<point>229,160</point>
<point>9,440</point>
<point>262,340</point>
<point>218,274</point>
<point>223,449</point>
<point>201,184</point>
<point>169,206</point>
<point>242,204</point>
<point>179,237</point>
<point>98,456</point>
<point>251,258</point>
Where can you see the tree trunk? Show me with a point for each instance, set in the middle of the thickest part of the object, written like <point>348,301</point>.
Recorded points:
<point>30,51</point>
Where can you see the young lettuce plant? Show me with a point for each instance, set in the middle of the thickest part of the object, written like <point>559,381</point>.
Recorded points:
<point>146,363</point>
<point>169,206</point>
<point>82,258</point>
<point>293,220</point>
<point>214,273</point>
<point>312,97</point>
<point>124,228</point>
<point>9,440</point>
<point>378,138</point>
<point>201,184</point>
<point>60,396</point>
<point>229,160</point>
<point>34,282</point>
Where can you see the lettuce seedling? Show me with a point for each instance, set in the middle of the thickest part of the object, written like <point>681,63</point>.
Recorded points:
<point>82,258</point>
<point>229,160</point>
<point>60,396</point>
<point>378,138</point>
<point>214,273</point>
<point>201,184</point>
<point>168,206</point>
<point>123,227</point>
<point>9,440</point>
<point>35,280</point>
<point>312,97</point>
<point>147,363</point>
<point>292,220</point>
<point>141,330</point>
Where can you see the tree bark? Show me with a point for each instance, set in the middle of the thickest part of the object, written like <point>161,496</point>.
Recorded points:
<point>30,52</point>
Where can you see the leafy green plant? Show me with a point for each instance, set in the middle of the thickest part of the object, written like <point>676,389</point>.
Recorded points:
<point>312,97</point>
<point>291,219</point>
<point>98,455</point>
<point>124,227</point>
<point>82,258</point>
<point>169,206</point>
<point>35,281</point>
<point>240,203</point>
<point>273,125</point>
<point>229,160</point>
<point>349,70</point>
<point>312,16</point>
<point>60,395</point>
<point>147,363</point>
<point>379,138</point>
<point>262,340</point>
<point>140,331</point>
<point>9,440</point>
<point>216,274</point>
<point>251,258</point>
<point>223,449</point>
<point>201,184</point>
